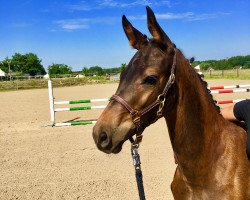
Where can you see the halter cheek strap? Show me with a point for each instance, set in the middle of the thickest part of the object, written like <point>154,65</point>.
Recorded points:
<point>160,101</point>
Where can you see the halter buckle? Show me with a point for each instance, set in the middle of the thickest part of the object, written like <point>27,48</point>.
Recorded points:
<point>136,118</point>
<point>172,78</point>
<point>161,98</point>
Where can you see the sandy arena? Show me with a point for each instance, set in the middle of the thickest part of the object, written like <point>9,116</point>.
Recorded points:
<point>39,162</point>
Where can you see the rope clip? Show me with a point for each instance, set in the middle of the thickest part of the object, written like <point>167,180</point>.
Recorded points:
<point>135,155</point>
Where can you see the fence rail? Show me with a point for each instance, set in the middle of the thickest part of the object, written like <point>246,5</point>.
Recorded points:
<point>233,73</point>
<point>42,83</point>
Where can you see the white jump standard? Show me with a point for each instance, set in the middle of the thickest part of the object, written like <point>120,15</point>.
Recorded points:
<point>53,110</point>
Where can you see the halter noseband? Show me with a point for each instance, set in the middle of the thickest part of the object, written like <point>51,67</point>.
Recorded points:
<point>136,115</point>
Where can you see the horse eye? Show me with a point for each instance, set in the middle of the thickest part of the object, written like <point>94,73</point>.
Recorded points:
<point>150,80</point>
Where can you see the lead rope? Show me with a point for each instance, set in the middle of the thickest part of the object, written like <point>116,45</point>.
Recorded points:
<point>138,172</point>
<point>136,157</point>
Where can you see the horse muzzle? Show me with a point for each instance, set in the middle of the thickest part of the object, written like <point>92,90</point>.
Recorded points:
<point>110,139</point>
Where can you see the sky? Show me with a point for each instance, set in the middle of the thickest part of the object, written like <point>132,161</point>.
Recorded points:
<point>88,33</point>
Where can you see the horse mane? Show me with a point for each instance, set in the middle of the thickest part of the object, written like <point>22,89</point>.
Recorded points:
<point>205,85</point>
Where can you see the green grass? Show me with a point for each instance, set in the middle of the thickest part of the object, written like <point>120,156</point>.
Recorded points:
<point>243,74</point>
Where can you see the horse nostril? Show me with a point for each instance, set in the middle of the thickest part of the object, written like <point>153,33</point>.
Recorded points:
<point>103,139</point>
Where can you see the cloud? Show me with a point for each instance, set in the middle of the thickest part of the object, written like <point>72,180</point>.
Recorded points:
<point>73,24</point>
<point>204,16</point>
<point>187,16</point>
<point>102,4</point>
<point>83,23</point>
<point>82,6</point>
<point>113,3</point>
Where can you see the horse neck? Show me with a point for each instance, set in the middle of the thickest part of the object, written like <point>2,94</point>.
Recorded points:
<point>193,121</point>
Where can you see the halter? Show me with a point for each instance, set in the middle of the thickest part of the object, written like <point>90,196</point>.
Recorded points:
<point>160,101</point>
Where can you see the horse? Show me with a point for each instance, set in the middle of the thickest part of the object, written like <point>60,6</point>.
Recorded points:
<point>210,151</point>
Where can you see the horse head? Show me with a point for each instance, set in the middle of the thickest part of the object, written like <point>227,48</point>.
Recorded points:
<point>140,89</point>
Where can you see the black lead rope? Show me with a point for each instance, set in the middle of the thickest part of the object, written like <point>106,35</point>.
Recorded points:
<point>138,172</point>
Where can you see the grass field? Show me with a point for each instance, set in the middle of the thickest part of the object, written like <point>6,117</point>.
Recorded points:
<point>242,74</point>
<point>57,82</point>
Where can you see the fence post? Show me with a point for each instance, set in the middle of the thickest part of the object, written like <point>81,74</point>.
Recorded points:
<point>238,72</point>
<point>51,103</point>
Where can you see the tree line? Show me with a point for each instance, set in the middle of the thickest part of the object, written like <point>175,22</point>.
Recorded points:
<point>30,64</point>
<point>230,63</point>
<point>23,64</point>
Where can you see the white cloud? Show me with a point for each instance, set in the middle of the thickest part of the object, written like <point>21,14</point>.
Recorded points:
<point>73,24</point>
<point>82,6</point>
<point>101,4</point>
<point>174,15</point>
<point>204,16</point>
<point>83,23</point>
<point>113,3</point>
<point>187,16</point>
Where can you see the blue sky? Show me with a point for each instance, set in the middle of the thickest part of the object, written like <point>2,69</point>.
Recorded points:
<point>87,33</point>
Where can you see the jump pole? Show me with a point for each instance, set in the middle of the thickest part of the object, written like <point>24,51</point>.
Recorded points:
<point>81,101</point>
<point>229,101</point>
<point>79,108</point>
<point>74,123</point>
<point>229,91</point>
<point>51,103</point>
<point>228,87</point>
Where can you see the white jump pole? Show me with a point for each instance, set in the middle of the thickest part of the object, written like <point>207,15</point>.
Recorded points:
<point>51,103</point>
<point>228,87</point>
<point>229,91</point>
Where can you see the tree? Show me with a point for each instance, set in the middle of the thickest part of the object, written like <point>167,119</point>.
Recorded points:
<point>6,64</point>
<point>96,70</point>
<point>59,69</point>
<point>123,66</point>
<point>85,71</point>
<point>27,63</point>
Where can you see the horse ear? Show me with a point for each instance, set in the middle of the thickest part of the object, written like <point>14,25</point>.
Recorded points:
<point>155,29</point>
<point>135,37</point>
